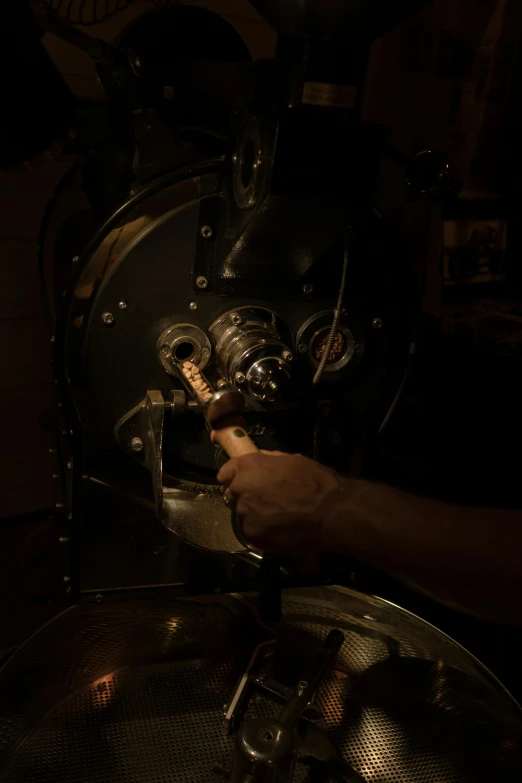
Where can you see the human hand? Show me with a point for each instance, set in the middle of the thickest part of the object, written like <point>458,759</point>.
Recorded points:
<point>281,499</point>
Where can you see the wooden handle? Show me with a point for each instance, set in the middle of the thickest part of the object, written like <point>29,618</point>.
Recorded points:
<point>232,437</point>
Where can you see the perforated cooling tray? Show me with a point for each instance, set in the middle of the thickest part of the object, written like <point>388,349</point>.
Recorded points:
<point>134,693</point>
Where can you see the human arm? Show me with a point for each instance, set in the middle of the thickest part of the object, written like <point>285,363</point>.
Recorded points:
<point>463,556</point>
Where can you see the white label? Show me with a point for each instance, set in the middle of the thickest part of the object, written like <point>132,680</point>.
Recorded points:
<point>324,94</point>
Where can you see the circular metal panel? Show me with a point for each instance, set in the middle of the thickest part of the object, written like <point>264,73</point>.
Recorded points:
<point>134,693</point>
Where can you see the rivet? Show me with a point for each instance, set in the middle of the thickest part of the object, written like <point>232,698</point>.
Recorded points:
<point>137,444</point>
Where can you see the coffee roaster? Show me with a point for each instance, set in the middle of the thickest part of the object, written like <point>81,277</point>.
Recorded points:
<point>229,225</point>
<point>219,282</point>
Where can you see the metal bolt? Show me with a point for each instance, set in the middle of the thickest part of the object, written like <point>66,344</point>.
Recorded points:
<point>239,378</point>
<point>69,465</point>
<point>236,319</point>
<point>67,579</point>
<point>221,383</point>
<point>206,232</point>
<point>359,348</point>
<point>53,338</point>
<point>64,539</point>
<point>193,305</point>
<point>122,304</point>
<point>302,347</point>
<point>137,66</point>
<point>201,282</point>
<point>307,288</point>
<point>302,685</point>
<point>288,356</point>
<point>377,323</point>
<point>137,444</point>
<point>75,259</point>
<point>108,319</point>
<point>165,351</point>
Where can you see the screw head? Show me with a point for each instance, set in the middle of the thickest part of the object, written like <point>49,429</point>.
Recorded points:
<point>108,319</point>
<point>122,304</point>
<point>201,282</point>
<point>75,259</point>
<point>236,319</point>
<point>165,351</point>
<point>288,356</point>
<point>206,232</point>
<point>302,347</point>
<point>137,444</point>
<point>239,377</point>
<point>307,288</point>
<point>204,351</point>
<point>377,323</point>
<point>193,305</point>
<point>359,348</point>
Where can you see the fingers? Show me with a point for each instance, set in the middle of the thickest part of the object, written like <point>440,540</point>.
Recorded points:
<point>227,472</point>
<point>229,469</point>
<point>238,465</point>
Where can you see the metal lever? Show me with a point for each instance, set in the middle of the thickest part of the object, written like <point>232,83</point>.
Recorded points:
<point>266,749</point>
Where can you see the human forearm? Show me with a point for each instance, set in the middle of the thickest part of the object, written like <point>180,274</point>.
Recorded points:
<point>468,557</point>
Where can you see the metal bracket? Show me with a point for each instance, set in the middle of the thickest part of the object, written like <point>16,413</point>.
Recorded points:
<point>194,512</point>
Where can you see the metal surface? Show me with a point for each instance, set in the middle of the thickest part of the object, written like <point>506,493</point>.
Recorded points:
<point>266,750</point>
<point>312,338</point>
<point>133,693</point>
<point>250,344</point>
<point>183,342</point>
<point>196,513</point>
